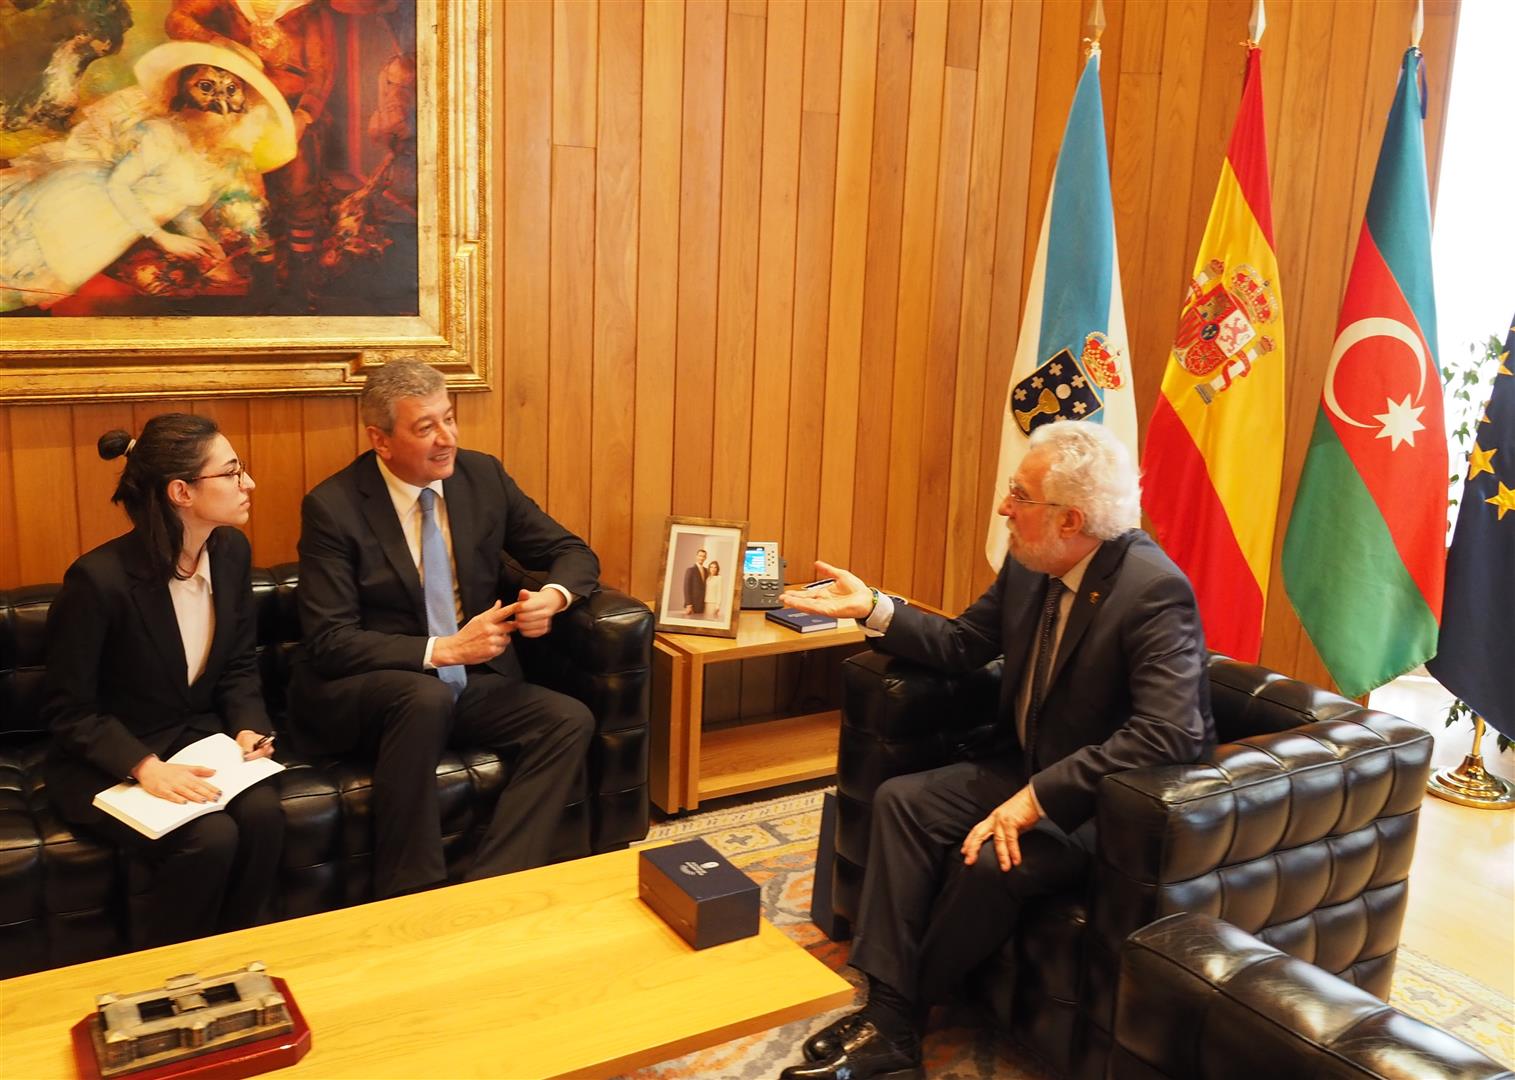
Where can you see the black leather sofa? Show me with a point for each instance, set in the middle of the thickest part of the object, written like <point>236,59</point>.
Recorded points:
<point>66,898</point>
<point>1199,999</point>
<point>1298,826</point>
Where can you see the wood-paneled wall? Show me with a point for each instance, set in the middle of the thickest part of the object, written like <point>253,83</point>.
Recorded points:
<point>766,260</point>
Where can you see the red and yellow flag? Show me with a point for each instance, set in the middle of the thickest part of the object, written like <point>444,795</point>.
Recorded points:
<point>1214,453</point>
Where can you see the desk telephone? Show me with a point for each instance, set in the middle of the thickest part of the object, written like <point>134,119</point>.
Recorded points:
<point>762,575</point>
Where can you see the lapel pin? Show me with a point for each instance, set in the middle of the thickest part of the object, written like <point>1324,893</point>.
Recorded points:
<point>1094,598</point>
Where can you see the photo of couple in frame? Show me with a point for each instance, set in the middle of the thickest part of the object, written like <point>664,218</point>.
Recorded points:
<point>701,576</point>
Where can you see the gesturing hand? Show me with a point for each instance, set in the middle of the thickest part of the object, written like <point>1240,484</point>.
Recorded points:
<point>534,611</point>
<point>1004,825</point>
<point>482,638</point>
<point>846,597</point>
<point>176,783</point>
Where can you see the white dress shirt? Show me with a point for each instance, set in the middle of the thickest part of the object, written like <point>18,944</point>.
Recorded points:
<point>407,502</point>
<point>196,614</point>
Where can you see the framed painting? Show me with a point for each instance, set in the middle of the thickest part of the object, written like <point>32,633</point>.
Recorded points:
<point>701,576</point>
<point>240,197</point>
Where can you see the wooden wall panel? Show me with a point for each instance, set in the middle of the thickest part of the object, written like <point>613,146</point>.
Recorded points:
<point>784,55</point>
<point>870,473</point>
<point>618,184</point>
<point>768,261</point>
<point>849,265</point>
<point>912,315</point>
<point>657,287</point>
<point>526,295</point>
<point>736,316</point>
<point>699,255</point>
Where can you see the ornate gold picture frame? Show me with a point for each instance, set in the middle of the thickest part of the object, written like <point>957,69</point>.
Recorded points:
<point>92,357</point>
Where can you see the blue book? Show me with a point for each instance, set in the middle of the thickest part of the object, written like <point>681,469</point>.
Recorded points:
<point>801,621</point>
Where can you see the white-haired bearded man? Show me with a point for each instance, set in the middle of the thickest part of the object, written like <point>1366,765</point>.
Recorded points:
<point>1104,671</point>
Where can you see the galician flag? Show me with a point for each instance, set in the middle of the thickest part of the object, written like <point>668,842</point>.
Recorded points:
<point>1214,455</point>
<point>1071,360</point>
<point>1478,627</point>
<point>1366,547</point>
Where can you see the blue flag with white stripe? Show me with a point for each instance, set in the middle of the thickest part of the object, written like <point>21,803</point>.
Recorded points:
<point>1072,361</point>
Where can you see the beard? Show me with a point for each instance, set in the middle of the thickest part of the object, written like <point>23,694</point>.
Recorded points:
<point>1041,558</point>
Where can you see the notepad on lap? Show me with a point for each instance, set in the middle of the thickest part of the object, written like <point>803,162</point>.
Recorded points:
<point>153,817</point>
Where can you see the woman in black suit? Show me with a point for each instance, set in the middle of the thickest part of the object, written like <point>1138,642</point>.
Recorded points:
<point>150,648</point>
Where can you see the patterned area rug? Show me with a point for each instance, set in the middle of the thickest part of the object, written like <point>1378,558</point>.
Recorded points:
<point>774,843</point>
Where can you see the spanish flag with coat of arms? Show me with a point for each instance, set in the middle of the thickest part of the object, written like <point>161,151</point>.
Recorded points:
<point>1214,455</point>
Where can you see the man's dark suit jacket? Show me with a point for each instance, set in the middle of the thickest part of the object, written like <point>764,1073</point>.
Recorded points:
<point>117,686</point>
<point>694,589</point>
<point>361,606</point>
<point>1128,687</point>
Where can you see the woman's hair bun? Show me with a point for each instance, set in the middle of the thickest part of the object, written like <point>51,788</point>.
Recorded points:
<point>113,444</point>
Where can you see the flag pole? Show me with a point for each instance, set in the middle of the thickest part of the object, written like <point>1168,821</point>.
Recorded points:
<point>1257,26</point>
<point>1417,24</point>
<point>1470,784</point>
<point>1097,28</point>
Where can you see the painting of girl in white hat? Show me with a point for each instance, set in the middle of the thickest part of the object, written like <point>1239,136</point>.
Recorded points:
<point>176,159</point>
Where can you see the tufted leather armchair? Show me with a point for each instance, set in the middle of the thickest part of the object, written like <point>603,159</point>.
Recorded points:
<point>1200,999</point>
<point>64,898</point>
<point>1298,826</point>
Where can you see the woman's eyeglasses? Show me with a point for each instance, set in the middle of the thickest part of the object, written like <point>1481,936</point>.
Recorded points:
<point>240,472</point>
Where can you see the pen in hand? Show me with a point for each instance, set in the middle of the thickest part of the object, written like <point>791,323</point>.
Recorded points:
<point>260,744</point>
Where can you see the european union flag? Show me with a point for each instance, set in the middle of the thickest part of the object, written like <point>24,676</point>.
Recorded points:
<point>1478,615</point>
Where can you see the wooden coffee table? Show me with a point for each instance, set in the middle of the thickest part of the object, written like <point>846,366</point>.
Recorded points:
<point>560,971</point>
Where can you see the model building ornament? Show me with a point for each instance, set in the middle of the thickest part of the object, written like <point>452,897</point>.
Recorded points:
<point>185,1017</point>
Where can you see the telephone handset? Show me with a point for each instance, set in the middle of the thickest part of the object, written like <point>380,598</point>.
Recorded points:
<point>762,575</point>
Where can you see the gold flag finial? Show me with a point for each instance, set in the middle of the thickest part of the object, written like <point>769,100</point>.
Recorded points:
<point>1257,25</point>
<point>1096,27</point>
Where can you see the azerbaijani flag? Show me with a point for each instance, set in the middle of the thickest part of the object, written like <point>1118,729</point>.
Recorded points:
<point>1214,454</point>
<point>1366,546</point>
<point>1071,360</point>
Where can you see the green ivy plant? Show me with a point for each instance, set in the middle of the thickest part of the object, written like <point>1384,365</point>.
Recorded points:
<point>1463,379</point>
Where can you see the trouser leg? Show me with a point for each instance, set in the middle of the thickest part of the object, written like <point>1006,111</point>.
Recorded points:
<point>919,822</point>
<point>188,869</point>
<point>546,735</point>
<point>255,868</point>
<point>978,906</point>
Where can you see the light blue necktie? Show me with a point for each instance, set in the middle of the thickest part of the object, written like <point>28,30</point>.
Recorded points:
<point>436,573</point>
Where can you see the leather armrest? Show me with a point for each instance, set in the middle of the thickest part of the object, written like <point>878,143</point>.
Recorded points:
<point>895,700</point>
<point>1200,998</point>
<point>1172,823</point>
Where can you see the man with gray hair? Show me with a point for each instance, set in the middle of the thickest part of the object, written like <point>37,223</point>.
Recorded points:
<point>406,642</point>
<point>1104,671</point>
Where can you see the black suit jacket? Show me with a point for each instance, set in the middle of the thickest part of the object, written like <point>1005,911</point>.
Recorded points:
<point>361,606</point>
<point>116,687</point>
<point>1128,686</point>
<point>694,588</point>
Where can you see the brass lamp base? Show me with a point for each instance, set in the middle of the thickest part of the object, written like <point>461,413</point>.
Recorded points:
<point>1470,784</point>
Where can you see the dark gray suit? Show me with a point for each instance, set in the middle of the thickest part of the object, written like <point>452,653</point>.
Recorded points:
<point>1127,688</point>
<point>360,680</point>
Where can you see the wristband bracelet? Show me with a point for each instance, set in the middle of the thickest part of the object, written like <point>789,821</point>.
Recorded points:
<point>872,606</point>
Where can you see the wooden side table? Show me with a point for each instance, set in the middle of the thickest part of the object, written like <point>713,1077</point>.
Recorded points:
<point>688,763</point>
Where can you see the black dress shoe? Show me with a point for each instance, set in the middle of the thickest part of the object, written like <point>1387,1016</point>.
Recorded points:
<point>866,1054</point>
<point>828,1041</point>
